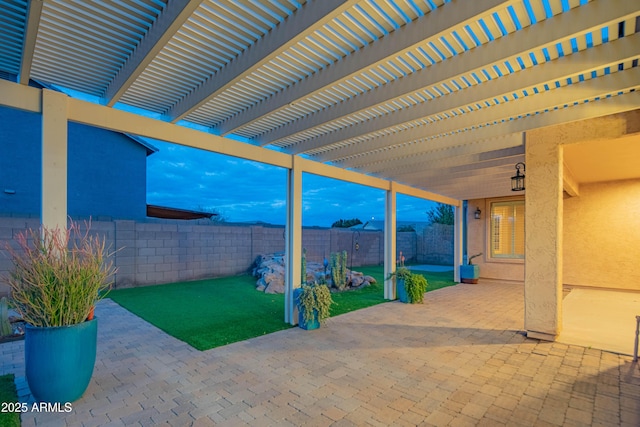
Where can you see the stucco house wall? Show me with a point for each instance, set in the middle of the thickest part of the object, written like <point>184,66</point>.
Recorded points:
<point>20,164</point>
<point>477,236</point>
<point>107,170</point>
<point>602,236</point>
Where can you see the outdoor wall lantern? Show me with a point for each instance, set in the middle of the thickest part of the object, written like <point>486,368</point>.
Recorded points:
<point>477,213</point>
<point>517,181</point>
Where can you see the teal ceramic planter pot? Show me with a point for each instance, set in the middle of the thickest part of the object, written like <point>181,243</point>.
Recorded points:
<point>311,324</point>
<point>469,273</point>
<point>59,361</point>
<point>401,291</point>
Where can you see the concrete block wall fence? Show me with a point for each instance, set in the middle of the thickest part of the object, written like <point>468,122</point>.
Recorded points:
<point>162,251</point>
<point>321,242</point>
<point>434,245</point>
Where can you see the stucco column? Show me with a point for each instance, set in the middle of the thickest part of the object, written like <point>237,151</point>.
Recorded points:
<point>543,236</point>
<point>293,242</point>
<point>54,159</point>
<point>390,242</point>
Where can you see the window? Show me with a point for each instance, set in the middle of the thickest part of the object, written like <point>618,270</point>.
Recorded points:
<point>507,229</point>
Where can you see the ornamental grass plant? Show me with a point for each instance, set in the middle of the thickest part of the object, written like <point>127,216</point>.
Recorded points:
<point>58,275</point>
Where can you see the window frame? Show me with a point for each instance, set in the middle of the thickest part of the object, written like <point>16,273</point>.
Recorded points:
<point>513,259</point>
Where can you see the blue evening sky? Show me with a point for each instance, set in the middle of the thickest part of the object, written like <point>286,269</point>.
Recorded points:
<point>243,190</point>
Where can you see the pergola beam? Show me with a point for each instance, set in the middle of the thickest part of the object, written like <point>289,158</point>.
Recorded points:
<point>321,169</point>
<point>462,162</point>
<point>437,151</point>
<point>471,170</point>
<point>310,17</point>
<point>28,98</point>
<point>436,177</point>
<point>422,194</point>
<point>487,174</point>
<point>29,41</point>
<point>480,190</point>
<point>164,28</point>
<point>20,96</point>
<point>123,121</point>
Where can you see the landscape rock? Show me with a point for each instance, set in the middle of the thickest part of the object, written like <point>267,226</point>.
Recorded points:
<point>270,270</point>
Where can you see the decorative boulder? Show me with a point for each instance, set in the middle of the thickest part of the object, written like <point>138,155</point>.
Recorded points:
<point>269,269</point>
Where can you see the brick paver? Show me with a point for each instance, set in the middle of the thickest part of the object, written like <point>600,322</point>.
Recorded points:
<point>459,359</point>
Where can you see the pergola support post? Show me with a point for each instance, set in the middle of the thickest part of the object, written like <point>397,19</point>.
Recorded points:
<point>293,240</point>
<point>390,242</point>
<point>457,241</point>
<point>54,160</point>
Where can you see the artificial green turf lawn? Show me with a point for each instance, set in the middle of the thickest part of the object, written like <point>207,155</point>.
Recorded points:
<point>214,312</point>
<point>8,394</point>
<point>345,302</point>
<point>207,313</point>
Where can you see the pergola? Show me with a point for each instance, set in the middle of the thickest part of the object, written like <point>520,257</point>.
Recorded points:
<point>437,99</point>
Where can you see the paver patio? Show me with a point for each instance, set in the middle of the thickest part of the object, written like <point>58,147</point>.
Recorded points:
<point>459,359</point>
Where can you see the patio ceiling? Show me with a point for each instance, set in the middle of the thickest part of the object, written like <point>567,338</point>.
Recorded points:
<point>435,94</point>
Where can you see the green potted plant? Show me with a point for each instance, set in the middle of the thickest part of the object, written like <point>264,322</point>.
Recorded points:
<point>410,287</point>
<point>471,272</point>
<point>314,304</point>
<point>57,278</point>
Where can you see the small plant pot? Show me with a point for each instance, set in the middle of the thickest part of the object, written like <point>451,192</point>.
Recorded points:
<point>401,291</point>
<point>311,324</point>
<point>469,273</point>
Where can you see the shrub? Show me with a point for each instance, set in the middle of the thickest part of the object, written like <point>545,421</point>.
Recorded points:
<point>58,275</point>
